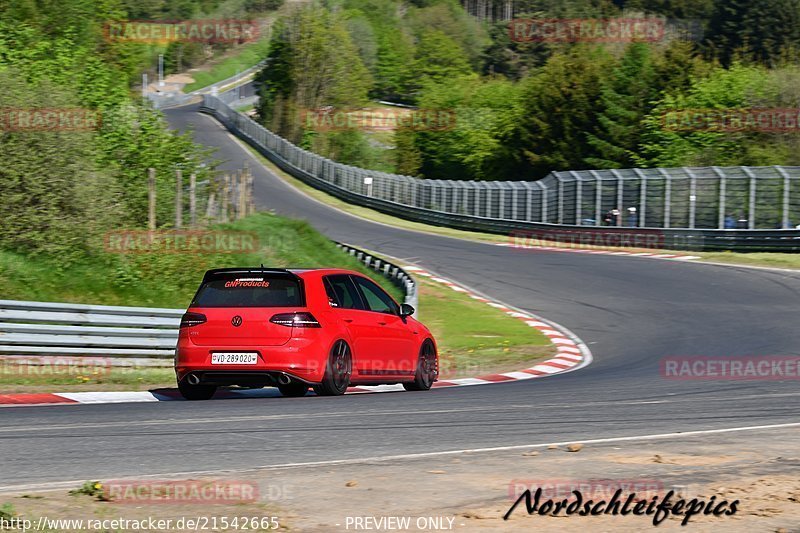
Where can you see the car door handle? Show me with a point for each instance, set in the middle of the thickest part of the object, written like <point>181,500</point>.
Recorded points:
<point>348,320</point>
<point>382,323</point>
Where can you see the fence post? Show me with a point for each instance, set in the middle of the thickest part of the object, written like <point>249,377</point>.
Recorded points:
<point>211,208</point>
<point>242,194</point>
<point>151,199</point>
<point>667,196</point>
<point>598,198</point>
<point>642,198</point>
<point>692,197</point>
<point>251,202</point>
<point>514,202</point>
<point>226,191</point>
<point>193,200</point>
<point>751,215</point>
<point>578,198</point>
<point>786,190</point>
<point>619,206</point>
<point>544,205</point>
<point>722,197</point>
<point>178,199</point>
<point>560,205</point>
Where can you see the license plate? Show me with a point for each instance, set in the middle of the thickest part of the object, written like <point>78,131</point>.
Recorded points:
<point>234,358</point>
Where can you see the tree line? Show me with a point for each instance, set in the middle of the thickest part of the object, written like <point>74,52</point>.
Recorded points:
<point>525,108</point>
<point>62,188</point>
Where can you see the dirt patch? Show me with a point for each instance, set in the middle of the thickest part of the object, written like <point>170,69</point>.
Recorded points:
<point>179,79</point>
<point>683,459</point>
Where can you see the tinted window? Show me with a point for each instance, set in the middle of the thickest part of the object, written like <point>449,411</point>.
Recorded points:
<point>250,291</point>
<point>342,293</point>
<point>375,297</point>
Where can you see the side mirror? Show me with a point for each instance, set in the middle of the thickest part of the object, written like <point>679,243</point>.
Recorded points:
<point>406,310</point>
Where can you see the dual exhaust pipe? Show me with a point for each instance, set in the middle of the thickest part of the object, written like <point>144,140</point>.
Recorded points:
<point>193,379</point>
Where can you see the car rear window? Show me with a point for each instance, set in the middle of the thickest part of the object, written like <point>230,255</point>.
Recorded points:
<point>250,291</point>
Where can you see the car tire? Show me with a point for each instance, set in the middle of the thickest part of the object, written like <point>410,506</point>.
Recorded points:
<point>196,392</point>
<point>337,371</point>
<point>295,389</point>
<point>426,372</point>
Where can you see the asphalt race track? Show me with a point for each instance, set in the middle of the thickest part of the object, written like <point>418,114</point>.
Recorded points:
<point>631,312</point>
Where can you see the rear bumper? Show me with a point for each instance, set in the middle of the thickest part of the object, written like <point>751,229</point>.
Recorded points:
<point>302,359</point>
<point>252,378</point>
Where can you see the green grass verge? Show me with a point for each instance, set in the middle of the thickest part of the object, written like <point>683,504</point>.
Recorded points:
<point>170,280</point>
<point>763,259</point>
<point>474,338</point>
<point>28,378</point>
<point>245,57</point>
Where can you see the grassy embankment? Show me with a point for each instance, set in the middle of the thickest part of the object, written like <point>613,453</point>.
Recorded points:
<point>241,59</point>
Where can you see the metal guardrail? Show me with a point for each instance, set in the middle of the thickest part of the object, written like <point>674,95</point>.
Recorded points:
<point>392,272</point>
<point>686,207</point>
<point>43,328</point>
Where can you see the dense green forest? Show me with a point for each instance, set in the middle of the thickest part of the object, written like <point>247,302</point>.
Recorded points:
<point>62,189</point>
<point>524,109</point>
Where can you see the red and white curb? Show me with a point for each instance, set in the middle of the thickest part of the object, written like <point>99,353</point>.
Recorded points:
<point>572,354</point>
<point>651,255</point>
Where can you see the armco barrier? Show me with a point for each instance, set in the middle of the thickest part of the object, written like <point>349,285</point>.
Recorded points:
<point>44,328</point>
<point>392,272</point>
<point>507,207</point>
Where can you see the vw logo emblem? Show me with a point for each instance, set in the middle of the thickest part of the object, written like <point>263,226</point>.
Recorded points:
<point>236,321</point>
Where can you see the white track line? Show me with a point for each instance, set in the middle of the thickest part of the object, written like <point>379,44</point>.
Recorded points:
<point>411,456</point>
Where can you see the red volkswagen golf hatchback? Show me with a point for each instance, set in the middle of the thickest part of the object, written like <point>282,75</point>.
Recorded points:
<point>296,329</point>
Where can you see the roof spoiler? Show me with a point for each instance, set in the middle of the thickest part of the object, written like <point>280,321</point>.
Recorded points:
<point>218,273</point>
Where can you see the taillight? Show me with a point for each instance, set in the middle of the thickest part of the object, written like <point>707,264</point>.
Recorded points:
<point>296,320</point>
<point>192,319</point>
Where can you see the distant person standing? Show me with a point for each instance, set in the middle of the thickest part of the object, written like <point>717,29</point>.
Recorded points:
<point>633,217</point>
<point>616,217</point>
<point>730,223</point>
